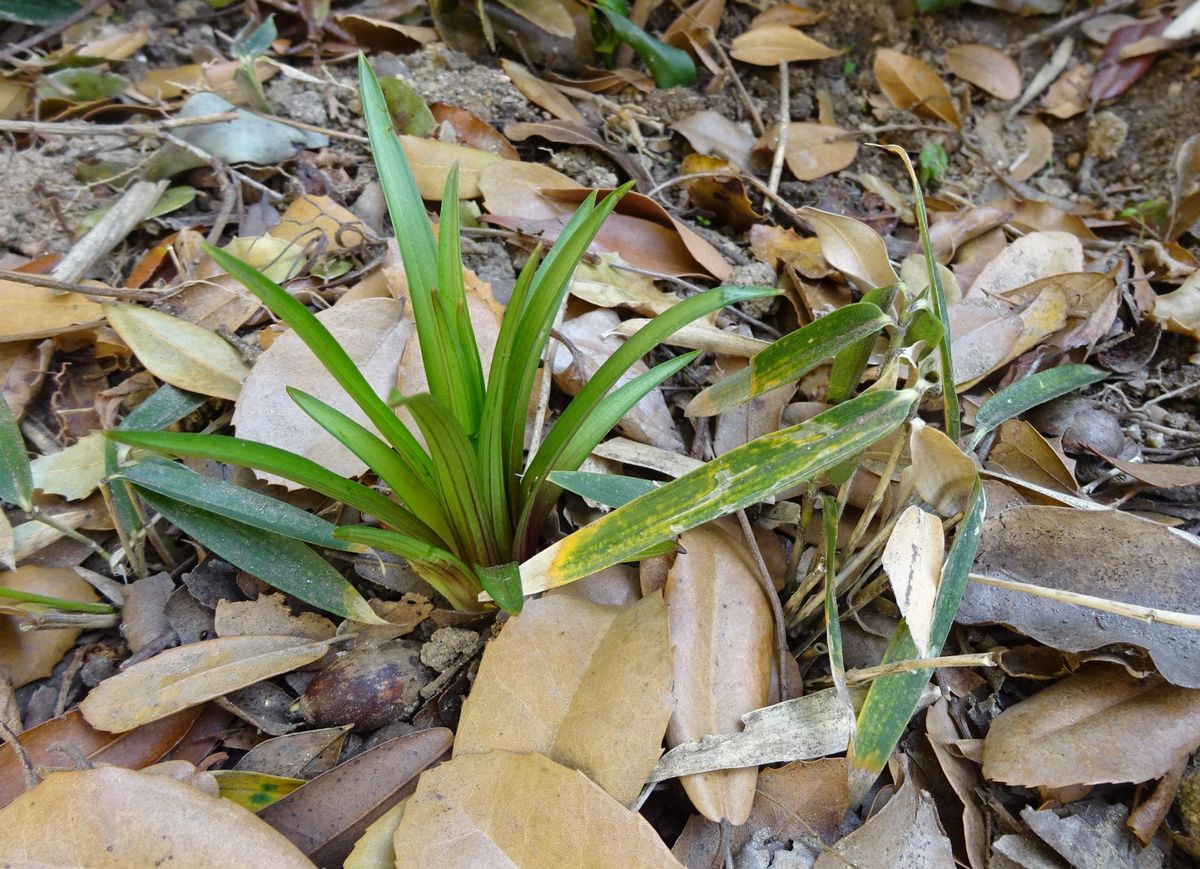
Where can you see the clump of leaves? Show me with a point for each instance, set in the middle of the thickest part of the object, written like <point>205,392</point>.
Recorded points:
<point>466,509</point>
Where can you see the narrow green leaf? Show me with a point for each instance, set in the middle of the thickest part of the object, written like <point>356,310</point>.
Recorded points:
<point>849,364</point>
<point>893,699</point>
<point>611,490</point>
<point>249,454</point>
<point>232,501</point>
<point>16,479</point>
<point>503,585</point>
<point>670,66</point>
<point>279,561</point>
<point>69,606</point>
<point>39,13</point>
<point>735,480</point>
<point>1029,392</point>
<point>833,622</point>
<point>791,357</point>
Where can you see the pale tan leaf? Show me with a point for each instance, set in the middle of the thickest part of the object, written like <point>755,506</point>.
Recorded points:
<point>988,335</point>
<point>721,625</point>
<point>942,474</point>
<point>189,675</point>
<point>373,332</point>
<point>522,810</point>
<point>374,850</point>
<point>311,219</point>
<point>1179,310</point>
<point>8,544</point>
<point>29,655</point>
<point>431,162</point>
<point>1068,96</point>
<point>1030,258</point>
<point>963,776</point>
<point>701,336</point>
<point>813,150</point>
<point>38,312</point>
<point>111,818</point>
<point>1021,451</point>
<point>605,284</point>
<point>541,93</point>
<point>773,44</point>
<point>74,472</point>
<point>987,68</point>
<point>852,247</point>
<point>269,614</point>
<point>912,560</point>
<point>584,655</point>
<point>181,353</point>
<point>1134,731</point>
<point>912,85</point>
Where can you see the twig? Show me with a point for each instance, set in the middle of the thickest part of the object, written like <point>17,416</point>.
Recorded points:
<point>81,128</point>
<point>869,674</point>
<point>83,289</point>
<point>1047,74</point>
<point>755,118</point>
<point>128,211</point>
<point>1070,21</point>
<point>217,165</point>
<point>312,128</point>
<point>781,142</point>
<point>23,758</point>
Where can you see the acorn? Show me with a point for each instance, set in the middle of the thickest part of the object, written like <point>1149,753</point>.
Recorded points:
<point>369,687</point>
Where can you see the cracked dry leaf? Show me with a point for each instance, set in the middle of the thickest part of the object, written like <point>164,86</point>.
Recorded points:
<point>189,675</point>
<point>721,627</point>
<point>373,332</point>
<point>29,655</point>
<point>586,685</point>
<point>911,85</point>
<point>1092,728</point>
<point>108,818</point>
<point>912,560</point>
<point>522,810</point>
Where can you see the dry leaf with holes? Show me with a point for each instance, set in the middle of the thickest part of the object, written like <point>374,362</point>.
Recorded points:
<point>813,150</point>
<point>147,820</point>
<point>852,247</point>
<point>912,560</point>
<point>773,44</point>
<point>29,655</point>
<point>602,673</point>
<point>74,472</point>
<point>911,85</point>
<point>987,68</point>
<point>431,162</point>
<point>722,629</point>
<point>1096,727</point>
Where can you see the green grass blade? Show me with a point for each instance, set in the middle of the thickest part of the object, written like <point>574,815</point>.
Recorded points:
<point>248,454</point>
<point>791,357</point>
<point>331,354</point>
<point>16,478</point>
<point>1029,392</point>
<point>893,699</point>
<point>67,606</point>
<point>833,623</point>
<point>850,363</point>
<point>446,572</point>
<point>503,585</point>
<point>735,480</point>
<point>231,501</point>
<point>279,561</point>
<point>380,458</point>
<point>611,490</point>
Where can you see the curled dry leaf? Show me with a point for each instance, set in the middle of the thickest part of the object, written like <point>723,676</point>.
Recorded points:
<point>912,560</point>
<point>721,627</point>
<point>1102,553</point>
<point>1107,713</point>
<point>1179,310</point>
<point>813,150</point>
<point>147,820</point>
<point>1022,452</point>
<point>987,68</point>
<point>505,809</point>
<point>189,675</point>
<point>601,672</point>
<point>772,44</point>
<point>181,353</point>
<point>374,333</point>
<point>472,130</point>
<point>911,85</point>
<point>852,247</point>
<point>29,655</point>
<point>724,194</point>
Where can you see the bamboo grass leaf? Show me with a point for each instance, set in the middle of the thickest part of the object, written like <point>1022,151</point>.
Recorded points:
<point>611,490</point>
<point>16,478</point>
<point>503,585</point>
<point>850,363</point>
<point>1028,393</point>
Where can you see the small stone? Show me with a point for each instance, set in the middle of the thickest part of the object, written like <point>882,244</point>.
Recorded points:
<point>447,646</point>
<point>755,274</point>
<point>1106,135</point>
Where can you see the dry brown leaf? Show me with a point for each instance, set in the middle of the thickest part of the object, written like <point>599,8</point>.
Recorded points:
<point>37,312</point>
<point>724,195</point>
<point>23,367</point>
<point>776,245</point>
<point>569,133</point>
<point>472,130</point>
<point>1179,310</point>
<point>773,44</point>
<point>74,472</point>
<point>701,336</point>
<point>698,23</point>
<point>1068,96</point>
<point>542,94</point>
<point>146,820</point>
<point>29,655</point>
<point>585,656</point>
<point>1102,553</point>
<point>269,614</point>
<point>852,247</point>
<point>987,335</point>
<point>721,626</point>
<point>431,162</point>
<point>189,675</point>
<point>813,150</point>
<point>712,133</point>
<point>987,68</point>
<point>296,754</point>
<point>1096,727</point>
<point>606,284</point>
<point>321,222</point>
<point>373,331</point>
<point>173,82</point>
<point>1028,215</point>
<point>1162,476</point>
<point>790,14</point>
<point>1022,452</point>
<point>912,560</point>
<point>963,776</point>
<point>503,809</point>
<point>912,85</point>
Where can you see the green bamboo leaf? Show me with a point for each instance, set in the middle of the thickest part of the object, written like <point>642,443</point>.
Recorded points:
<point>68,606</point>
<point>849,365</point>
<point>611,490</point>
<point>16,479</point>
<point>503,585</point>
<point>670,66</point>
<point>279,561</point>
<point>791,357</point>
<point>249,454</point>
<point>1029,392</point>
<point>232,501</point>
<point>735,480</point>
<point>893,699</point>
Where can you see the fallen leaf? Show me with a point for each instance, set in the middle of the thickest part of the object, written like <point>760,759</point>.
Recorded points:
<point>1102,553</point>
<point>912,560</point>
<point>373,332</point>
<point>472,130</point>
<point>269,614</point>
<point>431,162</point>
<point>504,809</point>
<point>74,472</point>
<point>606,284</point>
<point>374,849</point>
<point>776,245</point>
<point>1068,96</point>
<point>724,196</point>
<point>148,820</point>
<point>585,656</point>
<point>1179,310</point>
<point>987,68</point>
<point>1037,742</point>
<point>296,754</point>
<point>701,336</point>
<point>542,94</point>
<point>813,150</point>
<point>987,336</point>
<point>181,353</point>
<point>722,630</point>
<point>1030,258</point>
<point>943,474</point>
<point>189,675</point>
<point>29,655</point>
<point>37,312</point>
<point>321,222</point>
<point>1115,76</point>
<point>772,44</point>
<point>1159,475</point>
<point>1022,452</point>
<point>712,133</point>
<point>567,133</point>
<point>852,247</point>
<point>1092,833</point>
<point>911,85</point>
<point>23,368</point>
<point>963,776</point>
